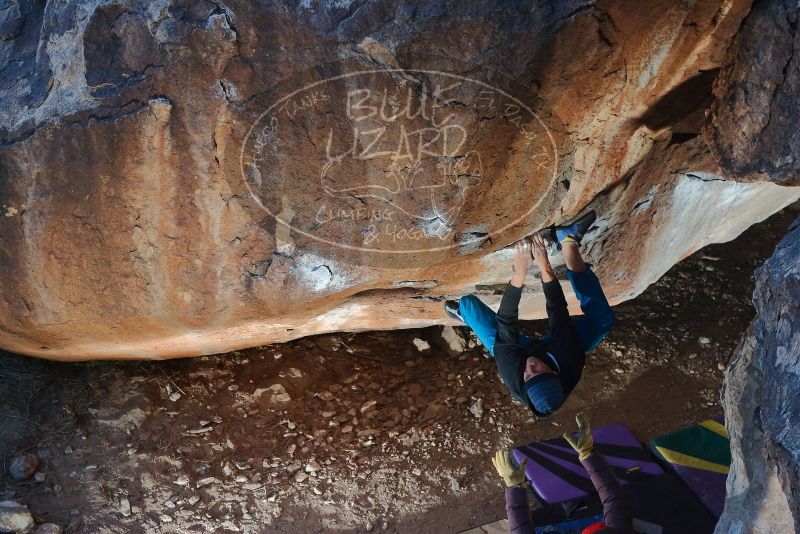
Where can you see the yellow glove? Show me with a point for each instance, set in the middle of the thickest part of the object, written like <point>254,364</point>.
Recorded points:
<point>583,442</point>
<point>507,468</point>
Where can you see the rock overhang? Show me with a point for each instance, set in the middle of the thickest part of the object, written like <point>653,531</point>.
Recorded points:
<point>134,222</point>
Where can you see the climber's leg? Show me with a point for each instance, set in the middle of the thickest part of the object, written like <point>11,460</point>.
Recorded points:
<point>483,322</point>
<point>598,318</point>
<point>571,232</point>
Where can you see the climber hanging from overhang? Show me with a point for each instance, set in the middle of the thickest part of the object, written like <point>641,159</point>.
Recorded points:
<point>541,373</point>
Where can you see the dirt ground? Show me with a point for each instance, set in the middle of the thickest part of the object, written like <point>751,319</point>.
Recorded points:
<point>351,433</point>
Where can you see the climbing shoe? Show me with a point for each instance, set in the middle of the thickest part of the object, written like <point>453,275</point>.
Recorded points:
<point>453,309</point>
<point>573,231</point>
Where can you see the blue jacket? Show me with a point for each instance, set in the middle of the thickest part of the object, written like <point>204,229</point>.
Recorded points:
<point>563,351</point>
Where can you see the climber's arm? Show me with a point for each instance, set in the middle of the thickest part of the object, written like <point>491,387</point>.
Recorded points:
<point>616,502</point>
<point>617,515</point>
<point>539,253</point>
<point>508,313</point>
<point>556,304</point>
<point>517,511</point>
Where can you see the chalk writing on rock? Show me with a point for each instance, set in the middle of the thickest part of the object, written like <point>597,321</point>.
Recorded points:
<point>396,162</point>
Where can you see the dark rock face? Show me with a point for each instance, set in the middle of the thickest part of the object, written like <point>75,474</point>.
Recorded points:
<point>762,406</point>
<point>150,205</point>
<point>754,125</point>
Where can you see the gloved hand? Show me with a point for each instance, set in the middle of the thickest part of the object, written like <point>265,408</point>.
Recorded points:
<point>583,441</point>
<point>507,468</point>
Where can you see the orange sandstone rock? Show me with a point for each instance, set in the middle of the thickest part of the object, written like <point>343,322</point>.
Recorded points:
<point>189,179</point>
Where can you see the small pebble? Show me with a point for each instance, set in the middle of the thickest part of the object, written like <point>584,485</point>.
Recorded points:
<point>313,466</point>
<point>48,528</point>
<point>205,481</point>
<point>125,507</point>
<point>421,344</point>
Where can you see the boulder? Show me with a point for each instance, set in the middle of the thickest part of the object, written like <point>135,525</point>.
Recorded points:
<point>183,179</point>
<point>753,124</point>
<point>15,517</point>
<point>450,339</point>
<point>23,466</point>
<point>762,406</point>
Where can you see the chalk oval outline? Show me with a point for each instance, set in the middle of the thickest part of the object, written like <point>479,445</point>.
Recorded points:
<point>310,235</point>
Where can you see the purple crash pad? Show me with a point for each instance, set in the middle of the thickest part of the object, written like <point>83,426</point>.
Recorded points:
<point>709,487</point>
<point>557,475</point>
<point>701,456</point>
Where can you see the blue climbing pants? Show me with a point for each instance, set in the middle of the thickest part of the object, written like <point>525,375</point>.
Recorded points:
<point>592,326</point>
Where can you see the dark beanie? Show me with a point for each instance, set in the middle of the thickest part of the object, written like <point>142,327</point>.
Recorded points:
<point>544,391</point>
